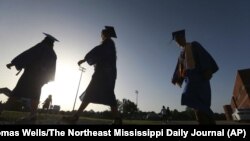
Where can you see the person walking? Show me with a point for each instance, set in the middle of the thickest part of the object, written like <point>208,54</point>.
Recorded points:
<point>47,103</point>
<point>101,88</point>
<point>196,67</point>
<point>39,64</point>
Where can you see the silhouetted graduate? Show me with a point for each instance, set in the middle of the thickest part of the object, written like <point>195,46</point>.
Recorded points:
<point>196,66</point>
<point>47,103</point>
<point>165,113</point>
<point>101,88</point>
<point>39,64</point>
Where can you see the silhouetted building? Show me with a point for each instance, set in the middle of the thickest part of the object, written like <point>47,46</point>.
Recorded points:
<point>241,92</point>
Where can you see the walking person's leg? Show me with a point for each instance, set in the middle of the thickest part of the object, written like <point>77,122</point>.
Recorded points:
<point>116,115</point>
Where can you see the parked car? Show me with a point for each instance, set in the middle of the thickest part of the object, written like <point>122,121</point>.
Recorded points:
<point>153,116</point>
<point>55,108</point>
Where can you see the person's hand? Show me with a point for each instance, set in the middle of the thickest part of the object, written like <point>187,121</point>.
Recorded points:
<point>80,62</point>
<point>9,65</point>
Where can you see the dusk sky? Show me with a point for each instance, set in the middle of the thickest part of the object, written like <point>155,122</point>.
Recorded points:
<point>145,57</point>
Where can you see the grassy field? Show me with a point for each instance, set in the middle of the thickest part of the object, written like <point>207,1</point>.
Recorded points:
<point>12,117</point>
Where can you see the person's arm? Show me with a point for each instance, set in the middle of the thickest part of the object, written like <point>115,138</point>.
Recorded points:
<point>204,60</point>
<point>94,56</point>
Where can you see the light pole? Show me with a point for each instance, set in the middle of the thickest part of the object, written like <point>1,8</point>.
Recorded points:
<point>136,92</point>
<point>82,69</point>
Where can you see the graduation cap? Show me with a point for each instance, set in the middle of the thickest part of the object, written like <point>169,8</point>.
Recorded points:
<point>111,31</point>
<point>180,33</point>
<point>50,37</point>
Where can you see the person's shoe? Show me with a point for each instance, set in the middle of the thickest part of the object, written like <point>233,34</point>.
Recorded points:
<point>117,121</point>
<point>72,119</point>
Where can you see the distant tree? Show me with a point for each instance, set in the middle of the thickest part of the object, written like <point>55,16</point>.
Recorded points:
<point>129,108</point>
<point>91,111</point>
<point>220,116</point>
<point>189,114</point>
<point>174,114</point>
<point>107,114</point>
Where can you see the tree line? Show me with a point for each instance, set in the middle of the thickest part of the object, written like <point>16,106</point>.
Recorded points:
<point>129,110</point>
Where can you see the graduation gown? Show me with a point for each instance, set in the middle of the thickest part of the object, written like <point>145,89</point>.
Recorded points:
<point>101,87</point>
<point>39,64</point>
<point>197,92</point>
